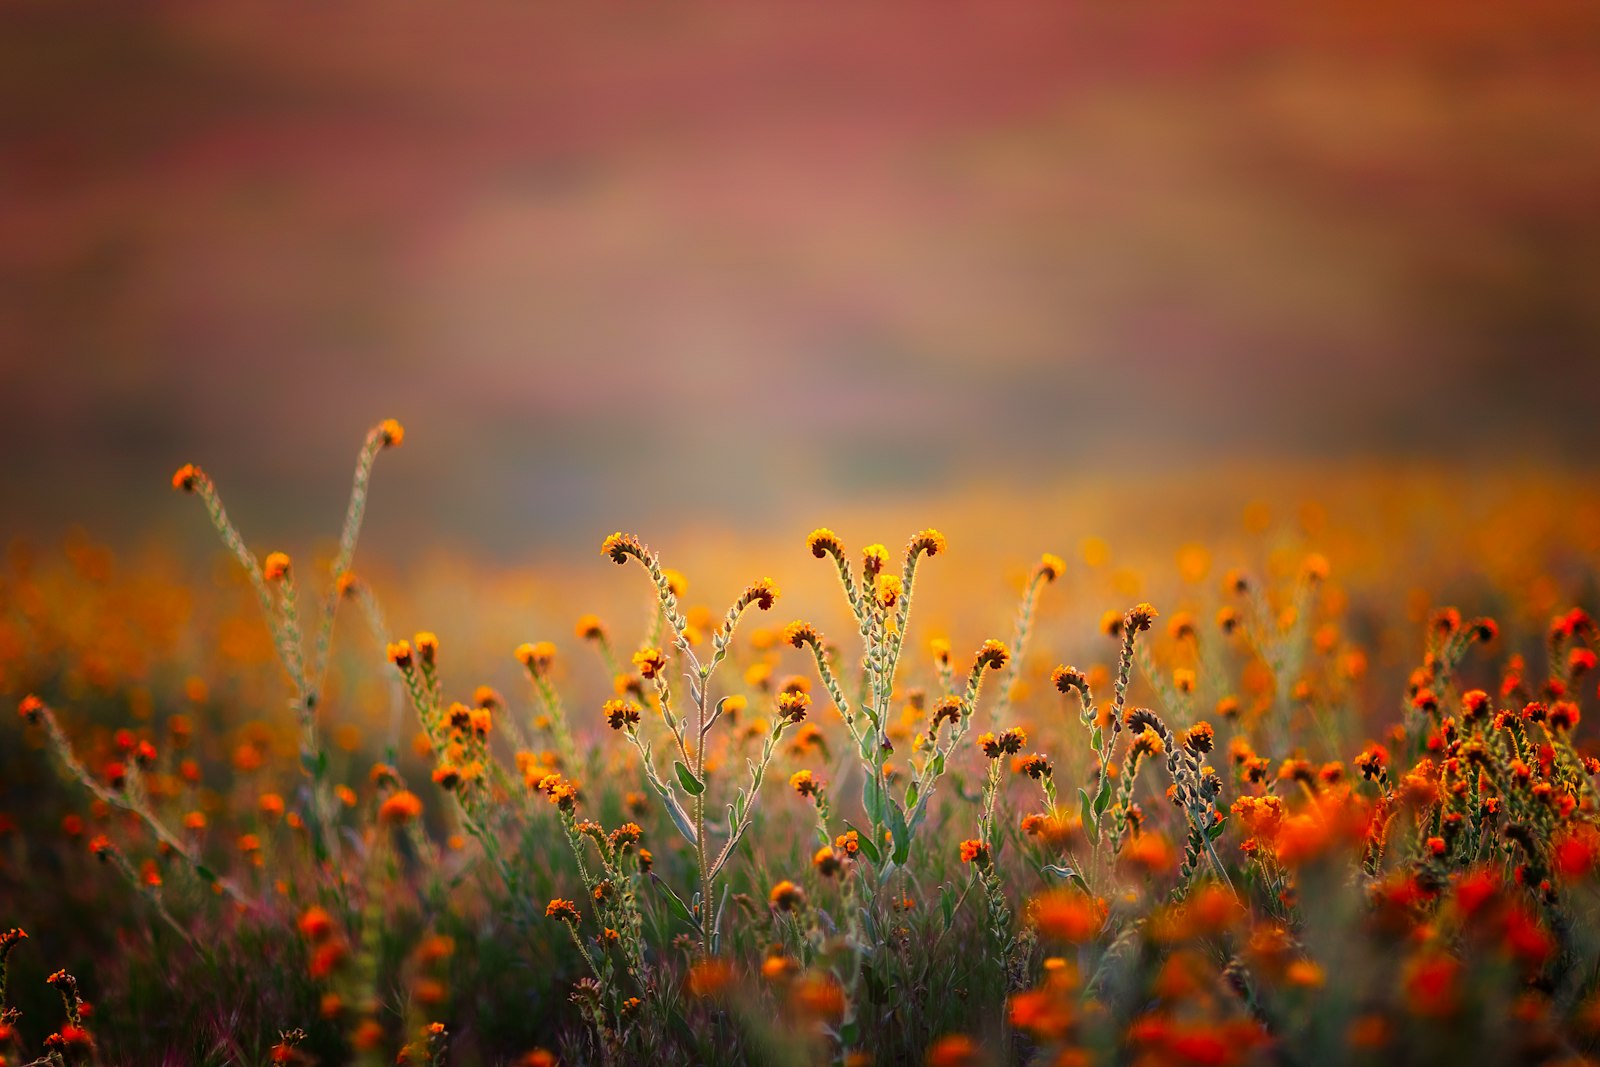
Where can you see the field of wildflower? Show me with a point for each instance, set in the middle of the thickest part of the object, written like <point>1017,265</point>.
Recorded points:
<point>1270,815</point>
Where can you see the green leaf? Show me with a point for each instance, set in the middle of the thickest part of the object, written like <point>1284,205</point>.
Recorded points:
<point>947,905</point>
<point>680,818</point>
<point>1069,873</point>
<point>1215,830</point>
<point>716,921</point>
<point>902,833</point>
<point>911,795</point>
<point>205,872</point>
<point>871,799</point>
<point>1104,798</point>
<point>674,902</point>
<point>1086,813</point>
<point>691,785</point>
<point>1096,739</point>
<point>868,846</point>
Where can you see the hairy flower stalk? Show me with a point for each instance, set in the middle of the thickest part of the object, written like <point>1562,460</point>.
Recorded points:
<point>275,588</point>
<point>691,741</point>
<point>35,711</point>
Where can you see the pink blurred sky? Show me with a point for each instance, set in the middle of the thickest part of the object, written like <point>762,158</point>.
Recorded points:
<point>614,262</point>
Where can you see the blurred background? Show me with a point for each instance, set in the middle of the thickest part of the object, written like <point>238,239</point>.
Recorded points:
<point>717,267</point>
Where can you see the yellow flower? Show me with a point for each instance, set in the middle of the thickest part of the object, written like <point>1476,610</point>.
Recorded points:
<point>824,542</point>
<point>929,541</point>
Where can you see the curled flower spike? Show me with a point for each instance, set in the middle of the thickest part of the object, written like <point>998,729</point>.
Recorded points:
<point>824,542</point>
<point>537,658</point>
<point>762,592</point>
<point>400,808</point>
<point>1050,567</point>
<point>1200,738</point>
<point>619,546</point>
<point>948,709</point>
<point>801,634</point>
<point>427,648</point>
<point>400,653</point>
<point>620,713</point>
<point>992,654</point>
<point>874,558</point>
<point>887,590</point>
<point>1036,766</point>
<point>827,861</point>
<point>589,628</point>
<point>792,704</point>
<point>650,661</point>
<point>1140,616</point>
<point>30,708</point>
<point>1066,679</point>
<point>974,851</point>
<point>186,477</point>
<point>275,568</point>
<point>805,783</point>
<point>786,896</point>
<point>391,433</point>
<point>563,910</point>
<point>928,542</point>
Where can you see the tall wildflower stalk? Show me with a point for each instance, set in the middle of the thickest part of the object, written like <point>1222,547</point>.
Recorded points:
<point>274,583</point>
<point>689,770</point>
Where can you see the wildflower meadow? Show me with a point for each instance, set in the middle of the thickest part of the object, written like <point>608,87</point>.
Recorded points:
<point>1233,828</point>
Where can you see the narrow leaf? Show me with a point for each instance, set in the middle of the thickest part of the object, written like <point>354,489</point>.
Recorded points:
<point>691,785</point>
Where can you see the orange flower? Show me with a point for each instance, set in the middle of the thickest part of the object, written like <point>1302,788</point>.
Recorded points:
<point>391,433</point>
<point>954,1050</point>
<point>820,997</point>
<point>1149,853</point>
<point>709,977</point>
<point>187,477</point>
<point>786,896</point>
<point>399,808</point>
<point>974,851</point>
<point>1068,915</point>
<point>564,910</point>
<point>316,924</point>
<point>992,654</point>
<point>1430,985</point>
<point>275,568</point>
<point>537,658</point>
